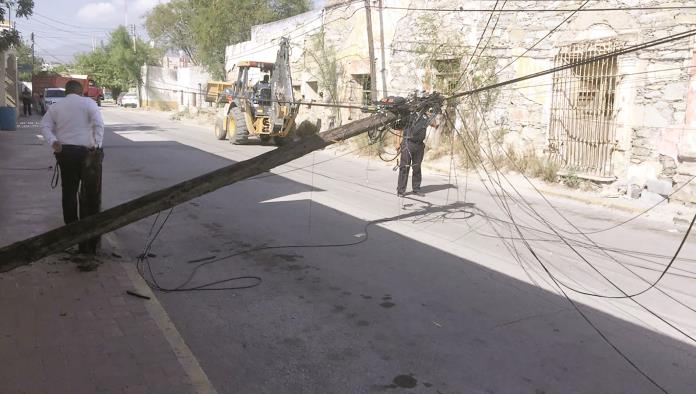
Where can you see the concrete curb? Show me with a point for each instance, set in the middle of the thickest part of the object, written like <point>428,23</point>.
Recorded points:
<point>573,195</point>
<point>183,353</point>
<point>612,203</point>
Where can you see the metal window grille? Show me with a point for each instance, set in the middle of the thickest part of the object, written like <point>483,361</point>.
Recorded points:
<point>447,74</point>
<point>582,130</point>
<point>365,82</point>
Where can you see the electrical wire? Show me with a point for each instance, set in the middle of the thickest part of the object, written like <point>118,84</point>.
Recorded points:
<point>304,33</point>
<point>625,252</point>
<point>483,33</point>
<point>559,213</point>
<point>50,54</point>
<point>570,300</point>
<point>70,25</point>
<point>565,241</point>
<point>363,240</point>
<point>623,51</point>
<point>575,306</point>
<point>542,38</point>
<point>560,286</point>
<point>143,258</point>
<point>518,10</point>
<point>26,168</point>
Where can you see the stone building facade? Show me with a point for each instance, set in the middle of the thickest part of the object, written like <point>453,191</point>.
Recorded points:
<point>627,121</point>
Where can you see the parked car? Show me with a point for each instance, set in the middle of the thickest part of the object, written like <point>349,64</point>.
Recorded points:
<point>52,96</point>
<point>118,99</point>
<point>129,100</point>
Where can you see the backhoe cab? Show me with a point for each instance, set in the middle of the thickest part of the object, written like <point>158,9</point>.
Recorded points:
<point>260,102</point>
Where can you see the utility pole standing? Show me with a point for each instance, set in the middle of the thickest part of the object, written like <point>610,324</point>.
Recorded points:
<point>140,97</point>
<point>133,35</point>
<point>384,61</point>
<point>33,57</point>
<point>371,47</point>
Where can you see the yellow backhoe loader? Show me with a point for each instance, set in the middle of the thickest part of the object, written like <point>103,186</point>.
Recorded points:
<point>265,108</point>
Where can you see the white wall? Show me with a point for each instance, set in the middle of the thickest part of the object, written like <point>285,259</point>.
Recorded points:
<point>263,45</point>
<point>173,89</point>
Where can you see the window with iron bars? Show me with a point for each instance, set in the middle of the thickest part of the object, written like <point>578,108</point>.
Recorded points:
<point>582,126</point>
<point>447,74</point>
<point>364,82</point>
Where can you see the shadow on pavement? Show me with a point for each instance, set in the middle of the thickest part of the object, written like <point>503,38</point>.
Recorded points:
<point>126,127</point>
<point>389,313</point>
<point>434,188</point>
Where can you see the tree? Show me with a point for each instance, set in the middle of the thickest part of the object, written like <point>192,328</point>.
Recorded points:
<point>220,23</point>
<point>24,57</point>
<point>169,25</point>
<point>323,65</point>
<point>127,59</point>
<point>204,28</point>
<point>287,8</point>
<point>61,68</point>
<point>117,64</point>
<point>97,65</point>
<point>10,37</point>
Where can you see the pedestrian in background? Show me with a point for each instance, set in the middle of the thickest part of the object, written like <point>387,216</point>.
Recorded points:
<point>26,101</point>
<point>74,129</point>
<point>42,104</point>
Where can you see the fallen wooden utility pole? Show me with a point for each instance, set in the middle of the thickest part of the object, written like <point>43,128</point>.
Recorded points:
<point>24,252</point>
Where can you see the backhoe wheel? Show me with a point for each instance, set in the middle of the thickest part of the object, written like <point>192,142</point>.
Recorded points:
<point>238,131</point>
<point>220,132</point>
<point>289,137</point>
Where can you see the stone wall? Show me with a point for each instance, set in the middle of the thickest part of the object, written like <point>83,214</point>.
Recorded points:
<point>654,102</point>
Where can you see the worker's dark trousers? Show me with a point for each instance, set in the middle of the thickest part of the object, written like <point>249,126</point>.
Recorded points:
<point>411,158</point>
<point>81,182</point>
<point>27,107</point>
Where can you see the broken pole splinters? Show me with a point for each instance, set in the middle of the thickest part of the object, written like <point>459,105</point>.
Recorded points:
<point>54,241</point>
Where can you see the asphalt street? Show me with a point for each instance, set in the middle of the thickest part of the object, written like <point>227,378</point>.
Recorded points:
<point>364,292</point>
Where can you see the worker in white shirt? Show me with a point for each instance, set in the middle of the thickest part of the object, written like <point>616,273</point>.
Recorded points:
<point>74,129</point>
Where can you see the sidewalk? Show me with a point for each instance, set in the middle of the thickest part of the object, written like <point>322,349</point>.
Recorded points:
<point>666,212</point>
<point>64,330</point>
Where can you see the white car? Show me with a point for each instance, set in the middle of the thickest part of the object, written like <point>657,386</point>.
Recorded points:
<point>129,100</point>
<point>52,96</point>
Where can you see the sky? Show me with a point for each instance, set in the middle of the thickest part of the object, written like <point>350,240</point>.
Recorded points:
<point>63,28</point>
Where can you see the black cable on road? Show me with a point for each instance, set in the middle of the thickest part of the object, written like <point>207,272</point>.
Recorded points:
<point>624,294</point>
<point>565,241</point>
<point>143,258</point>
<point>559,286</point>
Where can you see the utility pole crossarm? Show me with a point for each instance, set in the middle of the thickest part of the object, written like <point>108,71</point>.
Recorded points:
<point>54,241</point>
